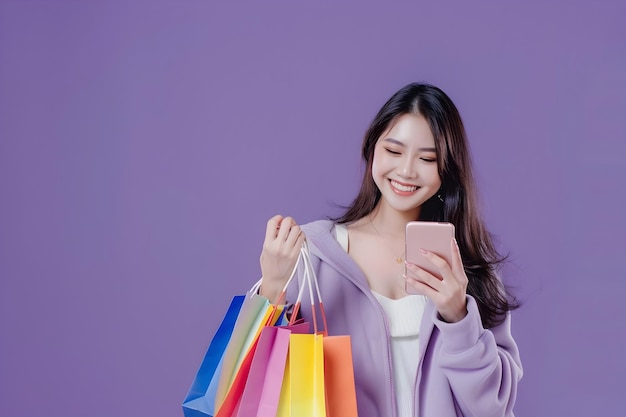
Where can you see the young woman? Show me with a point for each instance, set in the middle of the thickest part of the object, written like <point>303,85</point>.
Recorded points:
<point>449,352</point>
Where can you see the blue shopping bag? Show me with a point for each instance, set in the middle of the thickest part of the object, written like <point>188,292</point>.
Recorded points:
<point>200,400</point>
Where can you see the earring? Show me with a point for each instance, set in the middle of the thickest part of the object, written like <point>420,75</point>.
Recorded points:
<point>440,194</point>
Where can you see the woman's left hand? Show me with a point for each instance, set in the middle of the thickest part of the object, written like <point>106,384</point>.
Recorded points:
<point>448,290</point>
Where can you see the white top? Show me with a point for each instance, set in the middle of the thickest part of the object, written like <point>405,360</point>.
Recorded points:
<point>404,316</point>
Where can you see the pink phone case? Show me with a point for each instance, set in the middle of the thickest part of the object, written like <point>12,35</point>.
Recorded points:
<point>435,237</point>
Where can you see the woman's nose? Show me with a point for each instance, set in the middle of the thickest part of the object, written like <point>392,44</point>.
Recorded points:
<point>407,169</point>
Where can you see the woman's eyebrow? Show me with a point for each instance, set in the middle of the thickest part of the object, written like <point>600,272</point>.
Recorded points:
<point>397,142</point>
<point>394,141</point>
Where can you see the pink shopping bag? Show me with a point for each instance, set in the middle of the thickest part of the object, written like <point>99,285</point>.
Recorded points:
<point>262,390</point>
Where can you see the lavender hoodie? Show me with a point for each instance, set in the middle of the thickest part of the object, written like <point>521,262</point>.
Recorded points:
<point>464,369</point>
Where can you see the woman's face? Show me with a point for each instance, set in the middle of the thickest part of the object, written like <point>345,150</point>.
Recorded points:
<point>404,166</point>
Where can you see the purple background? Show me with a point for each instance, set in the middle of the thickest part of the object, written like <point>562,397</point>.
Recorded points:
<point>143,145</point>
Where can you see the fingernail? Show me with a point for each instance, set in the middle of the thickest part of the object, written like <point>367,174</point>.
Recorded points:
<point>424,251</point>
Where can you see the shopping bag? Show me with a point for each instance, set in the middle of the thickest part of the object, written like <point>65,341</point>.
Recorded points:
<point>339,385</point>
<point>200,399</point>
<point>241,349</point>
<point>306,377</point>
<point>253,315</point>
<point>339,377</point>
<point>243,310</point>
<point>262,388</point>
<point>302,392</point>
<point>256,386</point>
<point>233,399</point>
<point>319,374</point>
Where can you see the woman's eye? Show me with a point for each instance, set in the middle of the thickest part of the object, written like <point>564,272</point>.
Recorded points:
<point>391,151</point>
<point>429,159</point>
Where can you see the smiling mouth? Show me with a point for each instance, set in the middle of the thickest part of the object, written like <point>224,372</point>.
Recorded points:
<point>403,188</point>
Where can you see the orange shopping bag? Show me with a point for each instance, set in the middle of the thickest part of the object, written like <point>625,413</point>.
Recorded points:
<point>339,377</point>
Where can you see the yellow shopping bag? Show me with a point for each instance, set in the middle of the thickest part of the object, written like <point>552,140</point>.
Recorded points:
<point>319,377</point>
<point>303,393</point>
<point>303,390</point>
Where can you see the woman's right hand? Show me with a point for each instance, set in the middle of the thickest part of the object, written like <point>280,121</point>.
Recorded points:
<point>281,247</point>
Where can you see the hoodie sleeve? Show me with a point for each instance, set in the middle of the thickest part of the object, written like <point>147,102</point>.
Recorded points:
<point>483,366</point>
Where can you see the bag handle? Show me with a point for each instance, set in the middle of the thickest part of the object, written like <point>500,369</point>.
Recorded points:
<point>283,293</point>
<point>255,288</point>
<point>310,279</point>
<point>297,304</point>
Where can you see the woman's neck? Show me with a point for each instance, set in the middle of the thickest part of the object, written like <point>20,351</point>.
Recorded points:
<point>390,222</point>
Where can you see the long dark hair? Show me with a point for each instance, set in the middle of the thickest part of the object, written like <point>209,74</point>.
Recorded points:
<point>481,260</point>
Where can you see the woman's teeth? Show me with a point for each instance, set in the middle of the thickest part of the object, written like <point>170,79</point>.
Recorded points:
<point>405,188</point>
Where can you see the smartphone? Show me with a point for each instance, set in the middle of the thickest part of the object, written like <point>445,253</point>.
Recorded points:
<point>435,237</point>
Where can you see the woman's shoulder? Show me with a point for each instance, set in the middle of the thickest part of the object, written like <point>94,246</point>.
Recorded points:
<point>318,228</point>
<point>320,235</point>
